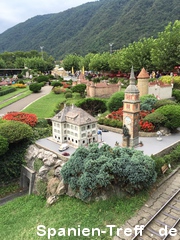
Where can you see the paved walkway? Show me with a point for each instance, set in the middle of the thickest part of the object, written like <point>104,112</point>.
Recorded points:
<point>22,103</point>
<point>156,201</point>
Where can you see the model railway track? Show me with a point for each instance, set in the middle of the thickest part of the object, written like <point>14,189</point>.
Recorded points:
<point>167,217</point>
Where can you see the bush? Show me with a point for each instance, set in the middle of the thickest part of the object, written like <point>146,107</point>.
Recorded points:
<point>115,101</point>
<point>110,122</point>
<point>11,161</point>
<point>164,102</point>
<point>157,118</point>
<point>3,145</point>
<point>172,114</point>
<point>15,131</point>
<point>68,95</point>
<point>19,85</point>
<point>147,102</point>
<point>58,90</point>
<point>7,90</point>
<point>35,87</point>
<point>42,78</point>
<point>91,170</point>
<point>56,84</point>
<point>176,94</point>
<point>28,118</point>
<point>93,106</point>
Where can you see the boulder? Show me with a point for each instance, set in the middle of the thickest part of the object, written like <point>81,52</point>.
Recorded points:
<point>61,189</point>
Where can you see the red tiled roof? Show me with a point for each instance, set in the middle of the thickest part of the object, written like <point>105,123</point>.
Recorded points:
<point>143,74</point>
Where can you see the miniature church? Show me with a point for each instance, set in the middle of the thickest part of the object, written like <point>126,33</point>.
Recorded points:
<point>131,110</point>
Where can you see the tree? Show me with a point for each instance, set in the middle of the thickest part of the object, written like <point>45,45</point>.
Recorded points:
<point>147,102</point>
<point>115,101</point>
<point>80,88</point>
<point>99,62</point>
<point>2,63</point>
<point>72,61</point>
<point>165,54</point>
<point>3,145</point>
<point>15,131</point>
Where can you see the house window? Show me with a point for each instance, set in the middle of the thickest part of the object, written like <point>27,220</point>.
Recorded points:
<point>64,125</point>
<point>83,135</point>
<point>72,140</point>
<point>94,125</point>
<point>68,126</point>
<point>83,141</point>
<point>94,132</point>
<point>65,138</point>
<point>68,138</point>
<point>76,141</point>
<point>55,124</point>
<point>64,131</point>
<point>88,126</point>
<point>82,128</point>
<point>58,125</point>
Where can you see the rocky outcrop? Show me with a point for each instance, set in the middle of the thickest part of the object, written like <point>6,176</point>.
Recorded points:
<point>47,165</point>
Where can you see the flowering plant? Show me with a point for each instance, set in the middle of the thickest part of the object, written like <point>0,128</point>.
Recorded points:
<point>28,118</point>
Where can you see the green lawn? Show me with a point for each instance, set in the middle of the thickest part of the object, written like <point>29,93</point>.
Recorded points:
<point>20,217</point>
<point>45,106</point>
<point>9,98</point>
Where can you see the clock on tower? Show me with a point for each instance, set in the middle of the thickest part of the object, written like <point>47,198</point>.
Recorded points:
<point>131,109</point>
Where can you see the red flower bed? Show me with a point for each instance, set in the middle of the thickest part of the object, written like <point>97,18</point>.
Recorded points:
<point>28,118</point>
<point>144,126</point>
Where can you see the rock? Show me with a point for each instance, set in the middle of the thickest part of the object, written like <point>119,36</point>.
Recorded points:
<point>43,170</point>
<point>48,162</point>
<point>57,173</point>
<point>70,192</point>
<point>61,189</point>
<point>51,200</point>
<point>52,186</point>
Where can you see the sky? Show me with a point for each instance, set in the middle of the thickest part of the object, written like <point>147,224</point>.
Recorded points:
<point>13,12</point>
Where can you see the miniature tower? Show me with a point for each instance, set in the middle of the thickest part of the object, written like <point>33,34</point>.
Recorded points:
<point>131,109</point>
<point>143,78</point>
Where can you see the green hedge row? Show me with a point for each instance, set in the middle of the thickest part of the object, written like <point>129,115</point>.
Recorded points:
<point>6,91</point>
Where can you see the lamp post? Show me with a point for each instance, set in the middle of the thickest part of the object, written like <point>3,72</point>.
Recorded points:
<point>41,47</point>
<point>111,45</point>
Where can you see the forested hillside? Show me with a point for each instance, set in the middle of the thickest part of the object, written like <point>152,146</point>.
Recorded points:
<point>91,27</point>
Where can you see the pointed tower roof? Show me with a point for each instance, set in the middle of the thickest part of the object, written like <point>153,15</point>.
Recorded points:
<point>132,84</point>
<point>143,74</point>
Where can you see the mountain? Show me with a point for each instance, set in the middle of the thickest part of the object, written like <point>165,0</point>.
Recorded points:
<point>91,27</point>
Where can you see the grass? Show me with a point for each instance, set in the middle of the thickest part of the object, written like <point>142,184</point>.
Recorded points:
<point>20,217</point>
<point>9,98</point>
<point>9,189</point>
<point>45,106</point>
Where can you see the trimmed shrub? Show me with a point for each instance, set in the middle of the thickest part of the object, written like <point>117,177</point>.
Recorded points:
<point>172,114</point>
<point>94,106</point>
<point>6,91</point>
<point>42,78</point>
<point>35,87</point>
<point>68,95</point>
<point>176,94</point>
<point>157,118</point>
<point>15,131</point>
<point>58,90</point>
<point>115,101</point>
<point>91,170</point>
<point>164,102</point>
<point>56,84</point>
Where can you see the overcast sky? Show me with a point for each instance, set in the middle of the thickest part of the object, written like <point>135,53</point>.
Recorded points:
<point>13,12</point>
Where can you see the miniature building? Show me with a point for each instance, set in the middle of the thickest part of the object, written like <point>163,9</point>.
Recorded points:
<point>102,89</point>
<point>157,88</point>
<point>75,126</point>
<point>131,109</point>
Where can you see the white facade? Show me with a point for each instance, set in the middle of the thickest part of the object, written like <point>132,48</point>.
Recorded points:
<point>160,92</point>
<point>74,126</point>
